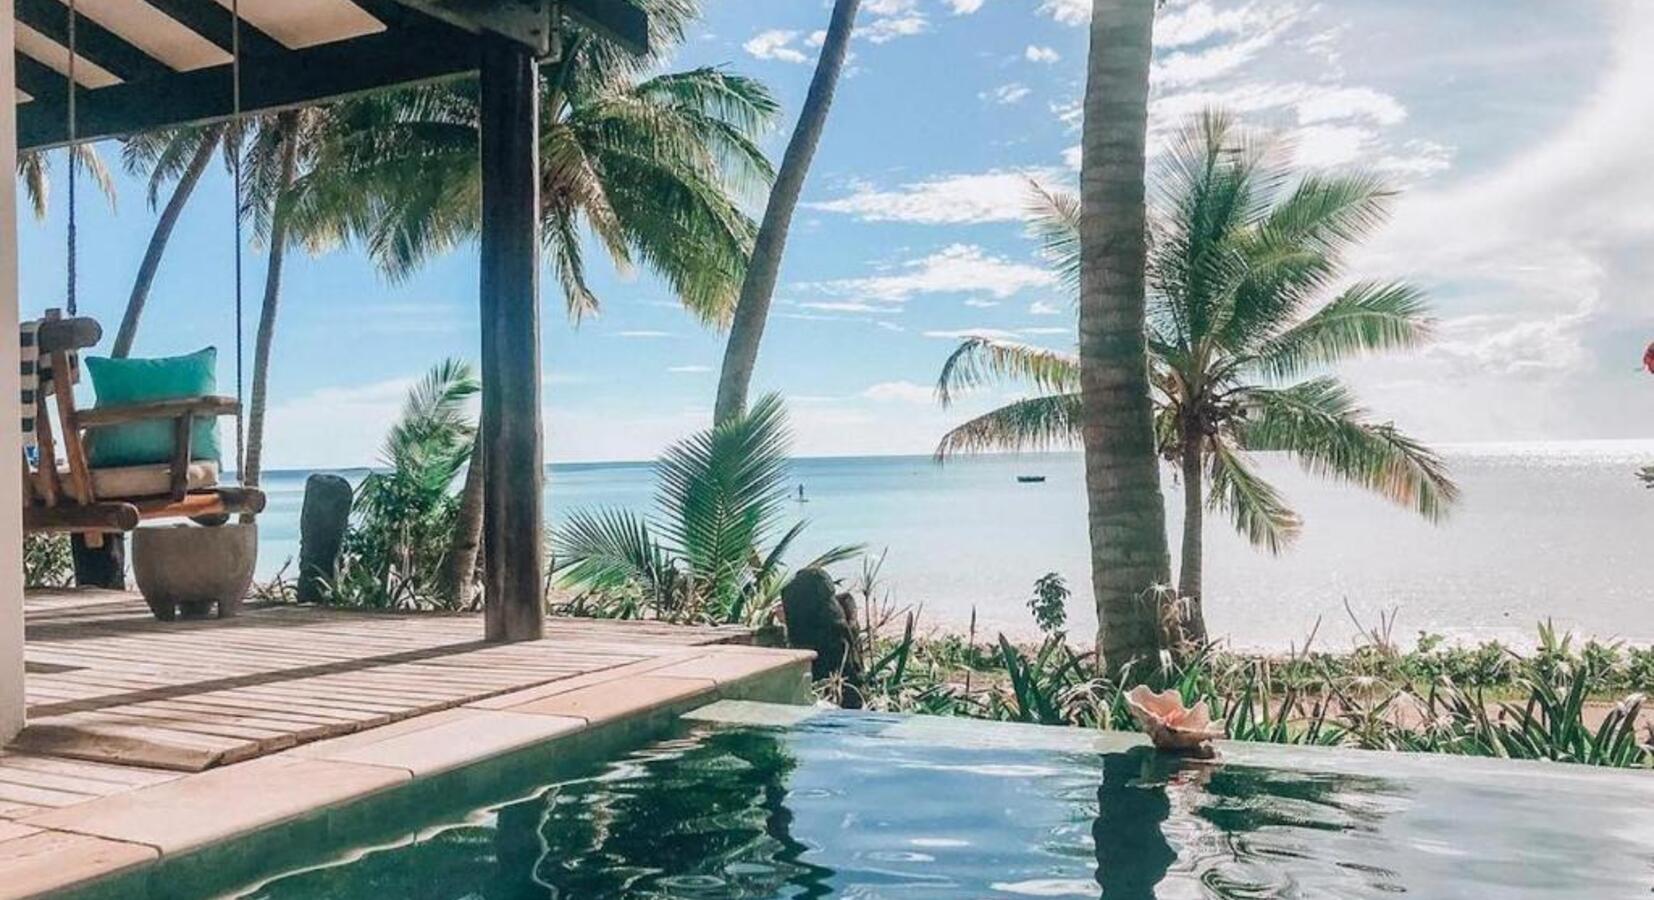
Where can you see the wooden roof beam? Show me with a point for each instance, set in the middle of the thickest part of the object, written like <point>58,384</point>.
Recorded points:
<point>93,42</point>
<point>529,22</point>
<point>294,78</point>
<point>41,82</point>
<point>213,22</point>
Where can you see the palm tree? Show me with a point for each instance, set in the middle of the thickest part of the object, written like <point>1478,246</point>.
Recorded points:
<point>655,168</point>
<point>396,549</point>
<point>1126,512</point>
<point>708,555</point>
<point>278,149</point>
<point>753,308</point>
<point>34,170</point>
<point>1242,254</point>
<point>178,155</point>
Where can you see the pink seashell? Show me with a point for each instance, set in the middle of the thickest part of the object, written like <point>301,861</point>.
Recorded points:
<point>1169,724</point>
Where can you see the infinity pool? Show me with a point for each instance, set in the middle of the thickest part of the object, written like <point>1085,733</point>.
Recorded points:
<point>749,800</point>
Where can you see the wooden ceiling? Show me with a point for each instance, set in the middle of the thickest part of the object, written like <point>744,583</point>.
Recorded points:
<point>145,64</point>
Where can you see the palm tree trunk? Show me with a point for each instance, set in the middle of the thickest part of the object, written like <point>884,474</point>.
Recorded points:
<point>253,465</point>
<point>752,310</point>
<point>1129,559</point>
<point>158,239</point>
<point>460,578</point>
<point>1192,617</point>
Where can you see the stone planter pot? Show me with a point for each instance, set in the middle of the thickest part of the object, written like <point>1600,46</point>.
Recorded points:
<point>187,570</point>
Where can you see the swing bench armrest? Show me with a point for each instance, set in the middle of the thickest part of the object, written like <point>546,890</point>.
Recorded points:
<point>192,407</point>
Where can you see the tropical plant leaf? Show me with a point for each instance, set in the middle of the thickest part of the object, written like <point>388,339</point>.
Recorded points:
<point>980,361</point>
<point>610,550</point>
<point>1319,423</point>
<point>720,492</point>
<point>1054,219</point>
<point>1257,509</point>
<point>1368,317</point>
<point>1034,424</point>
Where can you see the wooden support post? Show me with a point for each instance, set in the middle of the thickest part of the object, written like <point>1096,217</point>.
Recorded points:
<point>510,263</point>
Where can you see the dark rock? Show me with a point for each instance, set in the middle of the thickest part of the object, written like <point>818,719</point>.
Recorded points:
<point>322,524</point>
<point>100,567</point>
<point>820,618</point>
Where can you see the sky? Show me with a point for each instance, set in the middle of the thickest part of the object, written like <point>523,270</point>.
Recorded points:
<point>1517,130</point>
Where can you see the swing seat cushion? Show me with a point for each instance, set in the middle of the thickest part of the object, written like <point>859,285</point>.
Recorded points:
<point>125,382</point>
<point>136,482</point>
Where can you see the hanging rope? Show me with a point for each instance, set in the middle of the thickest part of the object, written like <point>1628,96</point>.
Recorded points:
<point>74,167</point>
<point>235,165</point>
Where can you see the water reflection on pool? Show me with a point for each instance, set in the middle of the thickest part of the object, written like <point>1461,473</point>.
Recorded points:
<point>855,805</point>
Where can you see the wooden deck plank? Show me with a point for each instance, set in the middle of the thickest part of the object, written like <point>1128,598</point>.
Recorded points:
<point>110,686</point>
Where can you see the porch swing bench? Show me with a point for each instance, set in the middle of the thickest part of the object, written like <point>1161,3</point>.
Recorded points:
<point>63,492</point>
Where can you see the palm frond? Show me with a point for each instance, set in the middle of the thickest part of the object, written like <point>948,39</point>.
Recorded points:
<point>34,170</point>
<point>610,550</point>
<point>1297,251</point>
<point>982,360</point>
<point>720,492</point>
<point>1054,219</point>
<point>1368,317</point>
<point>1256,508</point>
<point>1319,423</point>
<point>1037,423</point>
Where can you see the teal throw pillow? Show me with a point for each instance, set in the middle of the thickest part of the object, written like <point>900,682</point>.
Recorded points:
<point>125,382</point>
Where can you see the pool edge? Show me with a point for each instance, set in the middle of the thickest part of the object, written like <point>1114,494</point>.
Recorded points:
<point>261,812</point>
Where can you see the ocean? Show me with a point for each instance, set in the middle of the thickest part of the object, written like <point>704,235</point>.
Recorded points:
<point>1560,531</point>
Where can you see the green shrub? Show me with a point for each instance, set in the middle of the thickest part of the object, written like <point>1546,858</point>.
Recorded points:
<point>715,551</point>
<point>403,518</point>
<point>47,561</point>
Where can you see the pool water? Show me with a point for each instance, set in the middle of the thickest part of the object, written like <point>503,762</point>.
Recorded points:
<point>864,805</point>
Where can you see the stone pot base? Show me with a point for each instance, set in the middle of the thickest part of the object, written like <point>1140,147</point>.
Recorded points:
<point>187,571</point>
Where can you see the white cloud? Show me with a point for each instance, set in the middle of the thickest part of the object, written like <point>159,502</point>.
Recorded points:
<point>1039,54</point>
<point>994,334</point>
<point>964,7</point>
<point>816,38</point>
<point>1193,67</point>
<point>688,370</point>
<point>1045,330</point>
<point>1044,308</point>
<point>955,269</point>
<point>1539,270</point>
<point>881,31</point>
<point>1324,104</point>
<point>1327,146</point>
<point>891,19</point>
<point>1511,347</point>
<point>851,306</point>
<point>1328,124</point>
<point>775,44</point>
<point>979,303</point>
<point>335,426</point>
<point>1070,113</point>
<point>1201,21</point>
<point>1007,94</point>
<point>901,392</point>
<point>1068,12</point>
<point>996,196</point>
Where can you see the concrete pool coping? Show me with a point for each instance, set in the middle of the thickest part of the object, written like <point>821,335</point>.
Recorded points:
<point>960,732</point>
<point>229,820</point>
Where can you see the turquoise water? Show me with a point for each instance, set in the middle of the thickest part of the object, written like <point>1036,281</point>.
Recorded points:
<point>859,805</point>
<point>1556,531</point>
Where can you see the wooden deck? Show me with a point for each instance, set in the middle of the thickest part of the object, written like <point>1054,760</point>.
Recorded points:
<point>108,684</point>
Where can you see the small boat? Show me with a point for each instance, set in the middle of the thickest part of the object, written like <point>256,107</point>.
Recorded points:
<point>1030,479</point>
